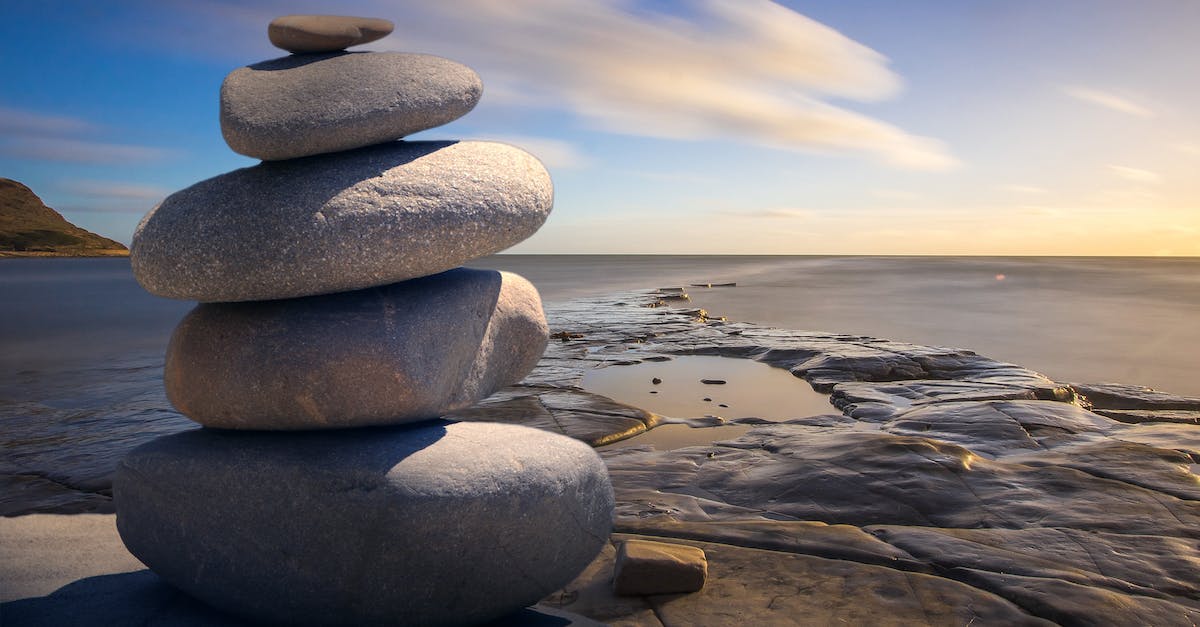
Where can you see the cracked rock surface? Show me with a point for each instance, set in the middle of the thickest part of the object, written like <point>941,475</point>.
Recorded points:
<point>952,489</point>
<point>941,487</point>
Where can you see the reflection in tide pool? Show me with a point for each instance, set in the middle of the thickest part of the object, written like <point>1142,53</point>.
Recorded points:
<point>750,390</point>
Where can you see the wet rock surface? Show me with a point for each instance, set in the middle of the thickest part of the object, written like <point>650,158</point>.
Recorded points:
<point>941,487</point>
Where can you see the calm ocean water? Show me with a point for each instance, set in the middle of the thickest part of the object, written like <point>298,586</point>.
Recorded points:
<point>1125,320</point>
<point>1129,320</point>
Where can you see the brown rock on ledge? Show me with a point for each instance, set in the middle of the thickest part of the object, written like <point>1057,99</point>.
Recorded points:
<point>645,567</point>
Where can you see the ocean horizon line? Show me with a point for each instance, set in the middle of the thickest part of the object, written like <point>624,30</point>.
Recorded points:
<point>821,255</point>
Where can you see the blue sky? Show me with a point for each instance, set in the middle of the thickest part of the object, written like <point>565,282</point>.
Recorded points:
<point>710,126</point>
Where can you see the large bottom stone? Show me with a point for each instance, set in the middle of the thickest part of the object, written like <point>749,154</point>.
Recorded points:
<point>438,523</point>
<point>399,353</point>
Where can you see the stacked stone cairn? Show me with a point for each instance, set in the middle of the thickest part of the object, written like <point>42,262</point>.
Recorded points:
<point>334,328</point>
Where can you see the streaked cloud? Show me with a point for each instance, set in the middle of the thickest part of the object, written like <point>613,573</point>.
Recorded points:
<point>33,135</point>
<point>553,153</point>
<point>1188,148</point>
<point>25,122</point>
<point>1126,198</point>
<point>1022,189</point>
<point>116,190</point>
<point>1137,175</point>
<point>80,151</point>
<point>130,208</point>
<point>895,194</point>
<point>1041,210</point>
<point>747,71</point>
<point>670,177</point>
<point>1108,100</point>
<point>779,212</point>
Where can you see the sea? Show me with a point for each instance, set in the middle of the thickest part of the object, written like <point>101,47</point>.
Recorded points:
<point>69,325</point>
<point>1128,320</point>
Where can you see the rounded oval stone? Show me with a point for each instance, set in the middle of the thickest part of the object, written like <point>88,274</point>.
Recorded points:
<point>340,222</point>
<point>325,33</point>
<point>304,105</point>
<point>433,524</point>
<point>387,355</point>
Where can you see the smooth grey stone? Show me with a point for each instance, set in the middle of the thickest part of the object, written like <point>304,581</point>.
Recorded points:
<point>440,523</point>
<point>325,33</point>
<point>342,222</point>
<point>388,355</point>
<point>305,105</point>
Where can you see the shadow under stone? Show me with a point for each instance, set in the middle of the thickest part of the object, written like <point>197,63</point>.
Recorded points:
<point>136,598</point>
<point>143,598</point>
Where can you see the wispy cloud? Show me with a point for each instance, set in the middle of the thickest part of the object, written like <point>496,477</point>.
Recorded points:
<point>895,194</point>
<point>553,153</point>
<point>79,151</point>
<point>1041,210</point>
<point>1125,197</point>
<point>1014,188</point>
<point>115,190</point>
<point>34,135</point>
<point>748,71</point>
<point>1188,148</point>
<point>1137,175</point>
<point>24,122</point>
<point>1107,100</point>
<point>131,208</point>
<point>669,177</point>
<point>789,213</point>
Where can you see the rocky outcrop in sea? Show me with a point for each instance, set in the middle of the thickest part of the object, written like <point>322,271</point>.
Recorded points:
<point>29,228</point>
<point>335,329</point>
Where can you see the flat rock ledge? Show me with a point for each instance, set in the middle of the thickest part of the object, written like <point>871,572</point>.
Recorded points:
<point>941,488</point>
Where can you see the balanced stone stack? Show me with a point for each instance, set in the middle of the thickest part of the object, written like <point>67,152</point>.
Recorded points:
<point>335,327</point>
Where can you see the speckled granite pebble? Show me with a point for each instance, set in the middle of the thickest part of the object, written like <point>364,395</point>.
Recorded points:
<point>310,104</point>
<point>340,222</point>
<point>439,523</point>
<point>325,33</point>
<point>399,353</point>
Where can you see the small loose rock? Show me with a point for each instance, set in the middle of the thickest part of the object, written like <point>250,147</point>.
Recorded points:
<point>645,567</point>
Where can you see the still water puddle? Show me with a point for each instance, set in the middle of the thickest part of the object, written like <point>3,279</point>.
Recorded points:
<point>750,389</point>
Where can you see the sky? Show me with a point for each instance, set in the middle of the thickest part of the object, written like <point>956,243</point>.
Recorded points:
<point>991,127</point>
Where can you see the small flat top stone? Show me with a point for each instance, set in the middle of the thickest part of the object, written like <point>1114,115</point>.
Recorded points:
<point>325,33</point>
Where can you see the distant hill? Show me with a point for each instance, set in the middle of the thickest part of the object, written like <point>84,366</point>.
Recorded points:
<point>28,228</point>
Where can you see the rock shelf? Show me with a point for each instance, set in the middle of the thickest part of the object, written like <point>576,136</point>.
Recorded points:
<point>941,487</point>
